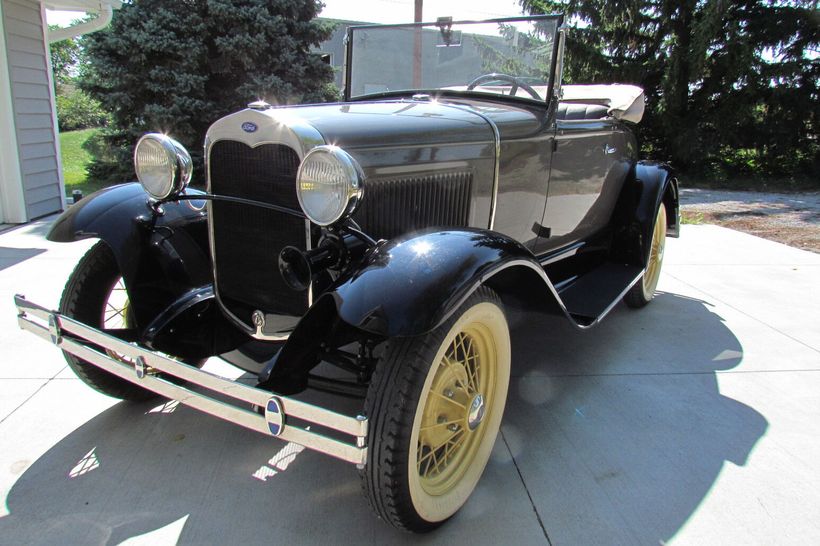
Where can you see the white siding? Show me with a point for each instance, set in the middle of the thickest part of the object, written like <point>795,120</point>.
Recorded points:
<point>32,103</point>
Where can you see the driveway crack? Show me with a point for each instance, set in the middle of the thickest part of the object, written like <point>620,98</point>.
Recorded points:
<point>32,395</point>
<point>529,496</point>
<point>742,312</point>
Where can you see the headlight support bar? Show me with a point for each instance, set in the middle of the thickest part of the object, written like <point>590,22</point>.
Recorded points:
<point>231,199</point>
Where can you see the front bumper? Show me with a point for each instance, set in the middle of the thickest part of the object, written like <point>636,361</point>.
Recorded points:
<point>140,366</point>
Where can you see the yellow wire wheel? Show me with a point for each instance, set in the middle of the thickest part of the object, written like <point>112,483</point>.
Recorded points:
<point>460,378</point>
<point>117,314</point>
<point>640,294</point>
<point>649,282</point>
<point>95,294</point>
<point>459,412</point>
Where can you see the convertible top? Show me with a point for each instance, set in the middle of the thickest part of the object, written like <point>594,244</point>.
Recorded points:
<point>622,101</point>
<point>625,102</point>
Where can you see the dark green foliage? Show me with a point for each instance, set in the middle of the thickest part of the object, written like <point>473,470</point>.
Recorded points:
<point>177,67</point>
<point>731,86</point>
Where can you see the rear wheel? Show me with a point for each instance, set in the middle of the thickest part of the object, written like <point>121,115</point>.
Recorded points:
<point>435,405</point>
<point>644,290</point>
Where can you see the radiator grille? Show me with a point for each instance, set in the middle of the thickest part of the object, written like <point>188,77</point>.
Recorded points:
<point>394,206</point>
<point>247,239</point>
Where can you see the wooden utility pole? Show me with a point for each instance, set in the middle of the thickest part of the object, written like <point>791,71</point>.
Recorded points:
<point>417,46</point>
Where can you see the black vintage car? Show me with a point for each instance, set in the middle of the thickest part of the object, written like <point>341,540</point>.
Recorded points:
<point>380,238</point>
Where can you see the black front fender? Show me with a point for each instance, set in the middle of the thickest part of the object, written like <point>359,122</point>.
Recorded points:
<point>407,287</point>
<point>410,285</point>
<point>161,254</point>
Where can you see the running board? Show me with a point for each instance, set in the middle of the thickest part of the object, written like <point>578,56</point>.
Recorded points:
<point>593,295</point>
<point>138,365</point>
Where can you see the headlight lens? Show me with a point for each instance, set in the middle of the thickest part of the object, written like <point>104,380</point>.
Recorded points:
<point>328,184</point>
<point>163,165</point>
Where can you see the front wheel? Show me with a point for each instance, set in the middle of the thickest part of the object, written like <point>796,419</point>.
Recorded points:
<point>435,404</point>
<point>95,295</point>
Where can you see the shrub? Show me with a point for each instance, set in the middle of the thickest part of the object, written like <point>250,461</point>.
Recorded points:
<point>76,110</point>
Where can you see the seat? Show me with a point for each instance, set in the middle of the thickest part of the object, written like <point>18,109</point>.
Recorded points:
<point>570,111</point>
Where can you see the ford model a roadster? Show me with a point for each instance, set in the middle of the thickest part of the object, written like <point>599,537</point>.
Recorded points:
<point>382,238</point>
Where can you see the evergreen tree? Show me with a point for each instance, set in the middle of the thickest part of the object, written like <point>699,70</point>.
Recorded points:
<point>731,86</point>
<point>176,67</point>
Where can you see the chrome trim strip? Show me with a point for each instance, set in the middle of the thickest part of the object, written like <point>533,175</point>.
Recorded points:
<point>619,298</point>
<point>308,246</point>
<point>353,451</point>
<point>560,255</point>
<point>494,201</point>
<point>558,90</point>
<point>291,131</point>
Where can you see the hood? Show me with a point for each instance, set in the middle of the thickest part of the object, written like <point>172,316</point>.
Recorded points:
<point>356,125</point>
<point>396,123</point>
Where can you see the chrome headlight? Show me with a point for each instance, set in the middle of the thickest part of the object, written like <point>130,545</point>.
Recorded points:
<point>163,165</point>
<point>328,184</point>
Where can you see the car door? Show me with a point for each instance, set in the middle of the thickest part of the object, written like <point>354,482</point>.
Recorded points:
<point>583,175</point>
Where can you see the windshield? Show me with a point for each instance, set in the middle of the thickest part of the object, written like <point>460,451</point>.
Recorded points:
<point>502,56</point>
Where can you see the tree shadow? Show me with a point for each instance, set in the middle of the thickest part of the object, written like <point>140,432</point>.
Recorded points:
<point>621,432</point>
<point>618,433</point>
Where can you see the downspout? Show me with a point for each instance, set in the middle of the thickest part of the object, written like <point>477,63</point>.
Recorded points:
<point>102,20</point>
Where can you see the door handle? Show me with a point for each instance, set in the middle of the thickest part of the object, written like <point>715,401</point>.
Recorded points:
<point>609,149</point>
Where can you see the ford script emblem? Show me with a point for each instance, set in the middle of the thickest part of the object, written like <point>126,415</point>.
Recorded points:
<point>249,127</point>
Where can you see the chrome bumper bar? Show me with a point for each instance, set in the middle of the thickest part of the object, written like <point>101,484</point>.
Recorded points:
<point>74,337</point>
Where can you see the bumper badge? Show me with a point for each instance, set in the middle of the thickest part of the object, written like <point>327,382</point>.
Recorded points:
<point>274,416</point>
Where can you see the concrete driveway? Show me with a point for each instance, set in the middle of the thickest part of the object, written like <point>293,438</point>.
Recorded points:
<point>693,421</point>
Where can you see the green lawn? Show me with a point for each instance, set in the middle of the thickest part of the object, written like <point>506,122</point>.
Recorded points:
<point>75,158</point>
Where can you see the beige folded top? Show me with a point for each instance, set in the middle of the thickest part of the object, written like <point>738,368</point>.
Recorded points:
<point>625,102</point>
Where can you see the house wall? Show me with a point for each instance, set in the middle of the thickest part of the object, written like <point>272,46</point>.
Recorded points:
<point>32,108</point>
<point>334,46</point>
<point>12,205</point>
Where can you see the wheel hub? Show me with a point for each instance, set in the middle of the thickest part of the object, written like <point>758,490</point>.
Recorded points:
<point>476,412</point>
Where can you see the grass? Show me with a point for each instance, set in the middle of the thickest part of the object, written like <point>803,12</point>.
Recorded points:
<point>75,158</point>
<point>688,217</point>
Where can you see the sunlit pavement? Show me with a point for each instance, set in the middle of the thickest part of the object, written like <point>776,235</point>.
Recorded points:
<point>693,421</point>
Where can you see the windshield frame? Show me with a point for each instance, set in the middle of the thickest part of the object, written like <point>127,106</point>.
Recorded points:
<point>551,75</point>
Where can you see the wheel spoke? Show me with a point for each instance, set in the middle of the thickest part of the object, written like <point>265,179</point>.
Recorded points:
<point>447,398</point>
<point>430,454</point>
<point>115,310</point>
<point>472,371</point>
<point>440,464</point>
<point>459,384</point>
<point>443,423</point>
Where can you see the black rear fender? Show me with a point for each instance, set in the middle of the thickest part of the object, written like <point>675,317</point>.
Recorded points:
<point>649,186</point>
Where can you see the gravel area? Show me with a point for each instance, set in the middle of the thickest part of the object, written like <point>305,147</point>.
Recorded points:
<point>789,218</point>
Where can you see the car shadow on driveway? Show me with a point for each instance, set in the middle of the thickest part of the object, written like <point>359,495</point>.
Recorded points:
<point>616,436</point>
<point>620,432</point>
